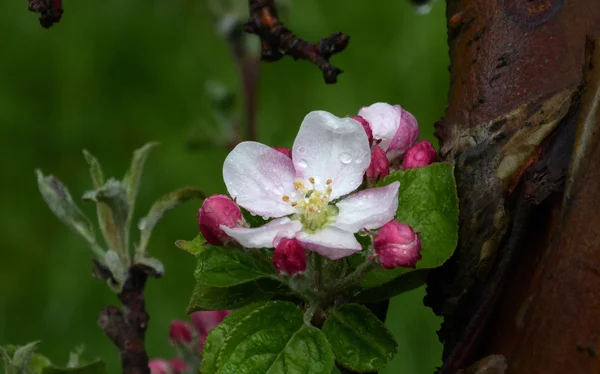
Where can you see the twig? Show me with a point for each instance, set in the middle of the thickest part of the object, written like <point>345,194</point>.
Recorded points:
<point>126,327</point>
<point>50,11</point>
<point>277,40</point>
<point>249,69</point>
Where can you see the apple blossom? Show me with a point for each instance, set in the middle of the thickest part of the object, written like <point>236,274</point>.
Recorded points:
<point>180,332</point>
<point>394,126</point>
<point>306,194</point>
<point>365,124</point>
<point>285,151</point>
<point>158,366</point>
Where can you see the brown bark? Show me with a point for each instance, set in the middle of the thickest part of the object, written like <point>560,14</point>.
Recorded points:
<point>126,327</point>
<point>522,281</point>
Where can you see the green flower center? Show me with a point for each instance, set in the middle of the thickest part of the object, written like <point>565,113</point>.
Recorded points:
<point>314,211</point>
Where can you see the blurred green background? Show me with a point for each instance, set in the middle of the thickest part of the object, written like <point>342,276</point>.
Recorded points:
<point>118,73</point>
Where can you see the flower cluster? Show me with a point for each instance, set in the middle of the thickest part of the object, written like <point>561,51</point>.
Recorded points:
<point>320,193</point>
<point>188,338</point>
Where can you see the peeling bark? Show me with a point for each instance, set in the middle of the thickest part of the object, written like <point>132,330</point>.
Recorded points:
<point>514,102</point>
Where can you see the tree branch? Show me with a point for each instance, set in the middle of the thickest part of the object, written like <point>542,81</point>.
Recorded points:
<point>50,11</point>
<point>126,327</point>
<point>277,40</point>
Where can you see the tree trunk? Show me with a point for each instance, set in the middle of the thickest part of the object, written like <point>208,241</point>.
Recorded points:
<point>522,124</point>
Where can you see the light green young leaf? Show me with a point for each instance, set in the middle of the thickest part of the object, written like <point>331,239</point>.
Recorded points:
<point>234,297</point>
<point>244,343</point>
<point>114,196</point>
<point>429,204</point>
<point>223,267</point>
<point>193,247</point>
<point>359,340</point>
<point>8,366</point>
<point>23,354</point>
<point>61,203</point>
<point>159,208</point>
<point>132,178</point>
<point>114,263</point>
<point>105,218</point>
<point>26,361</point>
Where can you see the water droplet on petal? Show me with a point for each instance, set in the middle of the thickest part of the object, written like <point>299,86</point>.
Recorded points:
<point>301,149</point>
<point>346,158</point>
<point>302,163</point>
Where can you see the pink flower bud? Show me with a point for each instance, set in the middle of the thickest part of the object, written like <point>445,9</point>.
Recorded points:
<point>289,257</point>
<point>406,134</point>
<point>204,322</point>
<point>180,332</point>
<point>395,127</point>
<point>365,124</point>
<point>396,245</point>
<point>178,365</point>
<point>419,155</point>
<point>218,210</point>
<point>158,366</point>
<point>285,151</point>
<point>379,167</point>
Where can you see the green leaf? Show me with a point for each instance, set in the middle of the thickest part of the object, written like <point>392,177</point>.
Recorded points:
<point>429,204</point>
<point>404,283</point>
<point>131,181</point>
<point>95,367</point>
<point>222,298</point>
<point>193,247</point>
<point>105,218</point>
<point>216,338</point>
<point>24,359</point>
<point>114,196</point>
<point>159,208</point>
<point>61,203</point>
<point>268,338</point>
<point>359,340</point>
<point>222,267</point>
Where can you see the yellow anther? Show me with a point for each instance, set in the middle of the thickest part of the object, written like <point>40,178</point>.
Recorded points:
<point>329,190</point>
<point>329,181</point>
<point>294,203</point>
<point>311,180</point>
<point>286,198</point>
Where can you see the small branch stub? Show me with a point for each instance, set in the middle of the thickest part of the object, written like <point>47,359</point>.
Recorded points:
<point>277,40</point>
<point>50,11</point>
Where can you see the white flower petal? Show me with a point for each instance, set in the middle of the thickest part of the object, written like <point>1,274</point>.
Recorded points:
<point>384,121</point>
<point>328,147</point>
<point>368,209</point>
<point>330,242</point>
<point>258,176</point>
<point>263,237</point>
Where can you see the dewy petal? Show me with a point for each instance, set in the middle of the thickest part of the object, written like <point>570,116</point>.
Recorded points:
<point>328,147</point>
<point>257,177</point>
<point>368,209</point>
<point>330,242</point>
<point>384,121</point>
<point>263,237</point>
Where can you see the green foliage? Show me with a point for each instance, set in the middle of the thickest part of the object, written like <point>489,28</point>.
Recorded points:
<point>220,298</point>
<point>429,204</point>
<point>244,343</point>
<point>24,360</point>
<point>359,340</point>
<point>223,267</point>
<point>193,247</point>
